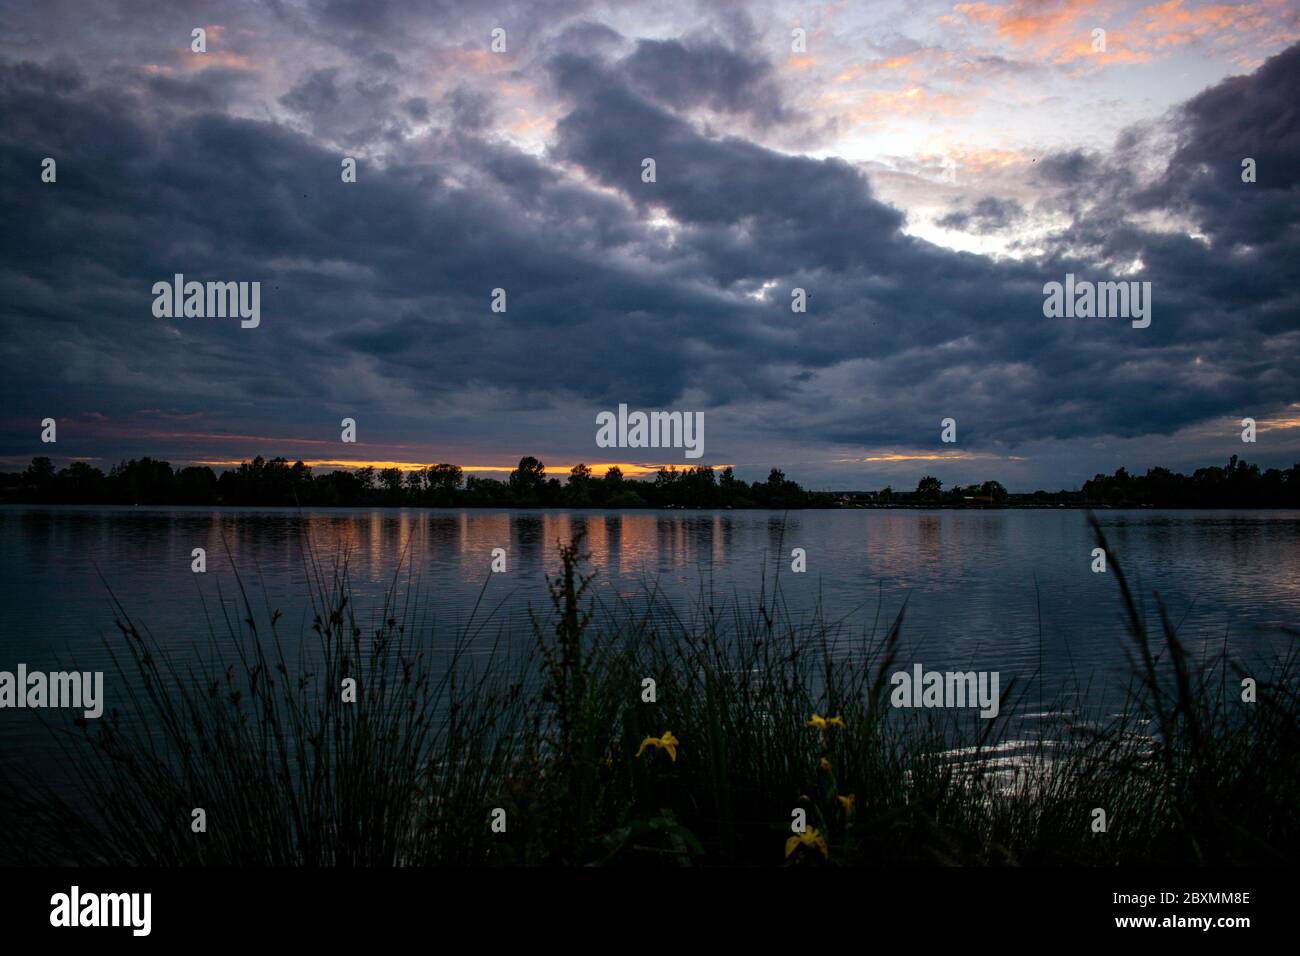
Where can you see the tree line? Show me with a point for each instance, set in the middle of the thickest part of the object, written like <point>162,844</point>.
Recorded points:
<point>279,482</point>
<point>1235,485</point>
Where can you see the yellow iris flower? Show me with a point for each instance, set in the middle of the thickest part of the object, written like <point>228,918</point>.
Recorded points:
<point>667,742</point>
<point>810,837</point>
<point>847,801</point>
<point>826,765</point>
<point>826,723</point>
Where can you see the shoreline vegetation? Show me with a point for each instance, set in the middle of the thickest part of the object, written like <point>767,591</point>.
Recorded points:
<point>473,749</point>
<point>277,482</point>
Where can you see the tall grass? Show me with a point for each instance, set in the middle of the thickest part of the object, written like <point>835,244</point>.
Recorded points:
<point>442,735</point>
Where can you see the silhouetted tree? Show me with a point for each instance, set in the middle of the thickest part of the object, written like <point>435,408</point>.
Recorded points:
<point>929,488</point>
<point>81,482</point>
<point>390,480</point>
<point>578,492</point>
<point>527,482</point>
<point>39,479</point>
<point>994,490</point>
<point>444,482</point>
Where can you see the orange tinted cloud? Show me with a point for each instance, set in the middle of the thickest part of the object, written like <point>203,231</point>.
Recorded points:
<point>944,456</point>
<point>913,68</point>
<point>222,58</point>
<point>1173,18</point>
<point>217,55</point>
<point>193,62</point>
<point>981,160</point>
<point>1172,24</point>
<point>1023,21</point>
<point>907,64</point>
<point>1056,31</point>
<point>1060,31</point>
<point>1290,419</point>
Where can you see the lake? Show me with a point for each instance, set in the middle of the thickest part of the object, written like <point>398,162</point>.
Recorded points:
<point>976,583</point>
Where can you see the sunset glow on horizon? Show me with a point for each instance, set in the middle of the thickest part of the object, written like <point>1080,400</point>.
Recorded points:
<point>628,469</point>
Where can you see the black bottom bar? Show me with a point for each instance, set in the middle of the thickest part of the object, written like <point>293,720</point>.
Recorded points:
<point>216,906</point>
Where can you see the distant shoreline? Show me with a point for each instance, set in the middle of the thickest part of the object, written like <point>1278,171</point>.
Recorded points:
<point>278,482</point>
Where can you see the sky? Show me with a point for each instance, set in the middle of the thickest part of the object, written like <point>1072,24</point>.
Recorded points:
<point>921,170</point>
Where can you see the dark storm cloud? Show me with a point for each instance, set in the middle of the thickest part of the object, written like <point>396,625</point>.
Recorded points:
<point>213,89</point>
<point>416,107</point>
<point>315,92</point>
<point>945,325</point>
<point>405,30</point>
<point>471,109</point>
<point>231,199</point>
<point>989,215</point>
<point>682,76</point>
<point>356,110</point>
<point>376,294</point>
<point>589,38</point>
<point>1257,117</point>
<point>1229,342</point>
<point>813,213</point>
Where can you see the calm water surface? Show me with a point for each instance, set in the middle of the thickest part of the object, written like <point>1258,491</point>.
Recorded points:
<point>976,583</point>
